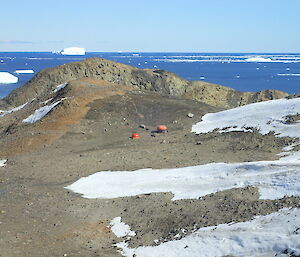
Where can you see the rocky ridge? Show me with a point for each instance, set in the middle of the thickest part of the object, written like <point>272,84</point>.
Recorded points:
<point>153,80</point>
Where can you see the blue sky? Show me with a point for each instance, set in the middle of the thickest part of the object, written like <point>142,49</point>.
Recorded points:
<point>151,26</point>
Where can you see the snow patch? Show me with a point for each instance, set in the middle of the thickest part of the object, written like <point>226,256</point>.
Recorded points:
<point>24,71</point>
<point>47,101</point>
<point>3,163</point>
<point>3,113</point>
<point>262,236</point>
<point>7,78</point>
<point>266,117</point>
<point>275,179</point>
<point>59,87</point>
<point>40,113</point>
<point>120,229</point>
<point>73,51</point>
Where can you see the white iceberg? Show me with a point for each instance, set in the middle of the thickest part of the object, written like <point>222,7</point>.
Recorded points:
<point>7,78</point>
<point>24,71</point>
<point>73,51</point>
<point>258,59</point>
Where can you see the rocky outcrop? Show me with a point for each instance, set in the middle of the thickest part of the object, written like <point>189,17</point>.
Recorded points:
<point>153,80</point>
<point>226,97</point>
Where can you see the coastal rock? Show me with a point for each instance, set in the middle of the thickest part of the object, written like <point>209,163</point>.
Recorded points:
<point>160,81</point>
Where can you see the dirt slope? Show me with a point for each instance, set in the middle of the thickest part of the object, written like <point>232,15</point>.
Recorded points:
<point>89,131</point>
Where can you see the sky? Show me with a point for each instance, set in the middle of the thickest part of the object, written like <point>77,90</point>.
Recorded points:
<point>256,26</point>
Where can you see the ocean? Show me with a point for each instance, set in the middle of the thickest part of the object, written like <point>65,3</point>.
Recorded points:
<point>243,72</point>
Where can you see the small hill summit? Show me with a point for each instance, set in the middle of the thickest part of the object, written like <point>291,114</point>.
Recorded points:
<point>160,81</point>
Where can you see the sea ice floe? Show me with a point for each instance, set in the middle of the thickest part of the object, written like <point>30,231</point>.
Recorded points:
<point>258,59</point>
<point>268,116</point>
<point>24,71</point>
<point>40,113</point>
<point>7,78</point>
<point>289,74</point>
<point>269,235</point>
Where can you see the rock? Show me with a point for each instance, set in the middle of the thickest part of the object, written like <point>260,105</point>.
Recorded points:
<point>166,83</point>
<point>190,115</point>
<point>142,126</point>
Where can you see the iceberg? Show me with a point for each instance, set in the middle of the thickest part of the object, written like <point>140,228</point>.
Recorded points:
<point>7,78</point>
<point>73,51</point>
<point>258,59</point>
<point>24,71</point>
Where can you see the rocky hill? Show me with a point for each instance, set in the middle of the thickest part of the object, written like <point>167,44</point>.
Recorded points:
<point>153,80</point>
<point>77,119</point>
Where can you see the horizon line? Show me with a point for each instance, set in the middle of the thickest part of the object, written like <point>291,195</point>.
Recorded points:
<point>120,52</point>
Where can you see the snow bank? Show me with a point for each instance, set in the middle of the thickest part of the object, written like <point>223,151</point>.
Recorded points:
<point>3,163</point>
<point>7,78</point>
<point>120,229</point>
<point>265,117</point>
<point>3,113</point>
<point>24,71</point>
<point>73,51</point>
<point>258,59</point>
<point>40,113</point>
<point>275,179</point>
<point>262,236</point>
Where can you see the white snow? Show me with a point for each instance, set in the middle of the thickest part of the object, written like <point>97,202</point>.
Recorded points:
<point>59,87</point>
<point>3,112</point>
<point>73,51</point>
<point>24,71</point>
<point>47,101</point>
<point>120,229</point>
<point>264,116</point>
<point>40,113</point>
<point>258,59</point>
<point>262,236</point>
<point>7,78</point>
<point>274,179</point>
<point>3,163</point>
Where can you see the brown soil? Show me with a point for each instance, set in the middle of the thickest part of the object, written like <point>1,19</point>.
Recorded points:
<point>91,132</point>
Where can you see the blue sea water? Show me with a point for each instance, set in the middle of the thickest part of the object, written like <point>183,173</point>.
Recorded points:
<point>244,72</point>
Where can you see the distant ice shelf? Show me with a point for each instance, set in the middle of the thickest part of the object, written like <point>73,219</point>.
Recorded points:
<point>7,78</point>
